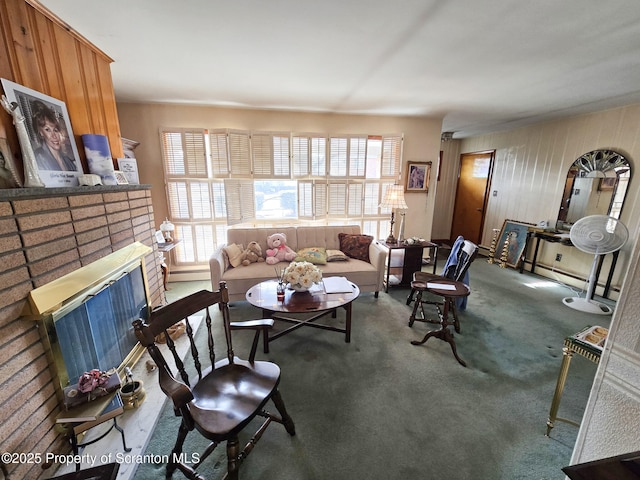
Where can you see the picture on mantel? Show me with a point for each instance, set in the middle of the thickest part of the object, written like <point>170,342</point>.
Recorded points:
<point>129,166</point>
<point>96,147</point>
<point>49,130</point>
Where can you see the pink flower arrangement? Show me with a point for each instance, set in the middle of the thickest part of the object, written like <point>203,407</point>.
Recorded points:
<point>91,380</point>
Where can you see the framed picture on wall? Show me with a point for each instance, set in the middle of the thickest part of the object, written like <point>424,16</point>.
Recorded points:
<point>417,177</point>
<point>50,134</point>
<point>516,233</point>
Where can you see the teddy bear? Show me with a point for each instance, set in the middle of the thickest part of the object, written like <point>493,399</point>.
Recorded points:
<point>252,254</point>
<point>278,250</point>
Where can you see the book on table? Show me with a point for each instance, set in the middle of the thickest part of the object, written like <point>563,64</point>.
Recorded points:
<point>337,285</point>
<point>98,410</point>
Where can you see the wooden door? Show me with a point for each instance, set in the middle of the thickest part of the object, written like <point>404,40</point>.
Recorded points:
<point>474,180</point>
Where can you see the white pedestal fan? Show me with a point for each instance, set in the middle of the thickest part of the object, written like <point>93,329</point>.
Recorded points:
<point>598,235</point>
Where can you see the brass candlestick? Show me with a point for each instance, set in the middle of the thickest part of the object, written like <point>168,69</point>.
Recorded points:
<point>492,248</point>
<point>505,253</point>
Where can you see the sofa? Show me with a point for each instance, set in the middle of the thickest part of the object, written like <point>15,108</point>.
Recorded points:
<point>367,275</point>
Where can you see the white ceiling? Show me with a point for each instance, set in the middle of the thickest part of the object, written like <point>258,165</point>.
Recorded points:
<point>482,65</point>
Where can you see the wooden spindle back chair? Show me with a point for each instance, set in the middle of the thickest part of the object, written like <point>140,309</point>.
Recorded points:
<point>218,400</point>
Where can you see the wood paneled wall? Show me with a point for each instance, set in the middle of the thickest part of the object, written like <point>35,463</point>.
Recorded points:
<point>530,169</point>
<point>39,51</point>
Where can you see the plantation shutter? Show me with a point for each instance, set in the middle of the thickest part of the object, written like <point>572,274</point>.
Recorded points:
<point>337,196</point>
<point>318,156</point>
<point>219,200</point>
<point>391,156</point>
<point>372,198</point>
<point>261,153</point>
<point>305,199</point>
<point>281,156</point>
<point>240,200</point>
<point>354,206</point>
<point>312,199</point>
<point>320,199</point>
<point>239,153</point>
<point>218,145</point>
<point>204,239</point>
<point>301,150</point>
<point>200,200</point>
<point>178,197</point>
<point>357,156</point>
<point>184,153</point>
<point>338,157</point>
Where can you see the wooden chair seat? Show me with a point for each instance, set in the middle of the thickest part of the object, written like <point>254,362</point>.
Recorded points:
<point>226,398</point>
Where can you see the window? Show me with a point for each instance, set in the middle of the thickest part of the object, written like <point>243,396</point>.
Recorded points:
<point>217,178</point>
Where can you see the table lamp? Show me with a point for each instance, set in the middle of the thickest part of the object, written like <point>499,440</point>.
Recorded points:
<point>167,229</point>
<point>393,198</point>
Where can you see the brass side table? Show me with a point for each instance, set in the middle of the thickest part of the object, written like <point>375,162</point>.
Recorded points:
<point>571,346</point>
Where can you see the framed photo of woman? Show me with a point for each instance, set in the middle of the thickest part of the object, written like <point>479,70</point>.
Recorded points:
<point>50,134</point>
<point>417,179</point>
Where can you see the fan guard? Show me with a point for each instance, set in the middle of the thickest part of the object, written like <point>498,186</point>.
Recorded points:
<point>599,235</point>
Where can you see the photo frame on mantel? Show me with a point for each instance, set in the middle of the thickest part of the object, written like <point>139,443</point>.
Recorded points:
<point>50,134</point>
<point>417,177</point>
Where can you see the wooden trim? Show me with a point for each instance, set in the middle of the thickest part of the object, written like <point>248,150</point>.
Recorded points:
<point>54,18</point>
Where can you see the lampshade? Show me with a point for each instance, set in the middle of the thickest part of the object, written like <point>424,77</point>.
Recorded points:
<point>167,229</point>
<point>394,198</point>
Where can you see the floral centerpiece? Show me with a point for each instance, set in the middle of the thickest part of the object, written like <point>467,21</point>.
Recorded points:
<point>301,275</point>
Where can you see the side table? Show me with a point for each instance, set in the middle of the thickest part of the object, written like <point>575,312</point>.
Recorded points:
<point>166,248</point>
<point>571,346</point>
<point>412,261</point>
<point>78,420</point>
<point>449,290</point>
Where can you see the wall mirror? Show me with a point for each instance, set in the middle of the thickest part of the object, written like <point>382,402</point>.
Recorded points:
<point>596,184</point>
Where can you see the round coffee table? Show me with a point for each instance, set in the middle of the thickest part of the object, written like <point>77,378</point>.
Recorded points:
<point>316,302</point>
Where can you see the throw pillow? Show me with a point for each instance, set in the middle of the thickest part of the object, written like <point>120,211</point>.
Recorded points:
<point>355,246</point>
<point>234,254</point>
<point>315,255</point>
<point>336,256</point>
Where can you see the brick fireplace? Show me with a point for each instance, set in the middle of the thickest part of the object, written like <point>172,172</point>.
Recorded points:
<point>45,234</point>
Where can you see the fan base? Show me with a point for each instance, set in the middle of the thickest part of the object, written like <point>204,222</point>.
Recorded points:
<point>589,306</point>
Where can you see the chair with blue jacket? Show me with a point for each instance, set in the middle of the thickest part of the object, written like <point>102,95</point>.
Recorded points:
<point>456,268</point>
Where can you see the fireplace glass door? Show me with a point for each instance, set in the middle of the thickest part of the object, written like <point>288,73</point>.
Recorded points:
<point>98,332</point>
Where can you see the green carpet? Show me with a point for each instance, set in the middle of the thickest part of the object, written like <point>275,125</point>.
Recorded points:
<point>381,408</point>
